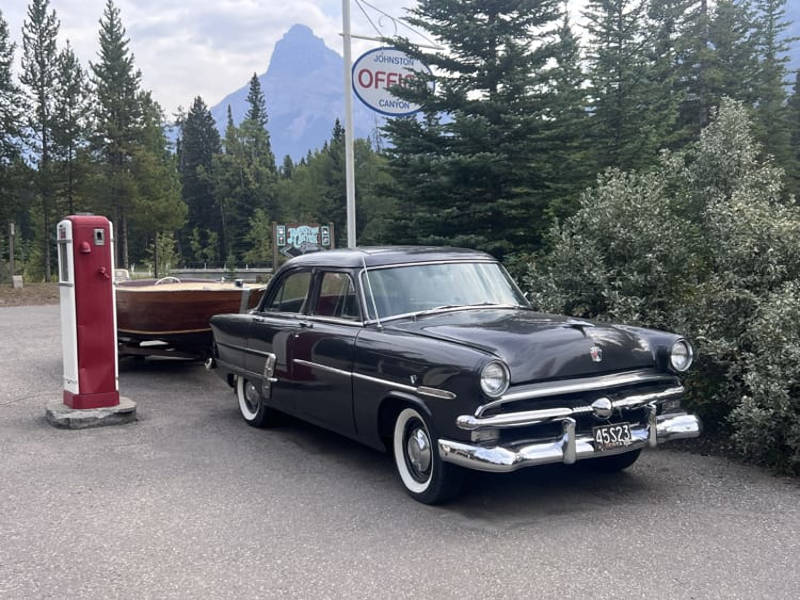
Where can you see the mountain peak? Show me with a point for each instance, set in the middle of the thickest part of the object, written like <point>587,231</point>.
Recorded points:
<point>303,89</point>
<point>299,48</point>
<point>298,30</point>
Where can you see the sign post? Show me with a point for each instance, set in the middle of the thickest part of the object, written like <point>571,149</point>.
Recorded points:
<point>380,79</point>
<point>11,233</point>
<point>348,128</point>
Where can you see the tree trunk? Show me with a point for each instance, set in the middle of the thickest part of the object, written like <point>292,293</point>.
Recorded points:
<point>117,218</point>
<point>70,159</point>
<point>701,71</point>
<point>155,256</point>
<point>124,237</point>
<point>44,189</point>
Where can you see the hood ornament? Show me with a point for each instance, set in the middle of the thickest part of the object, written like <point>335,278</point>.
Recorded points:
<point>596,353</point>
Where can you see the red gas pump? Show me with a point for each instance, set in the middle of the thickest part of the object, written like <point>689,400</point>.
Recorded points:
<point>88,312</point>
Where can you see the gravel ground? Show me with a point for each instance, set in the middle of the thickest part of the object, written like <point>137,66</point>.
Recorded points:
<point>30,293</point>
<point>189,502</point>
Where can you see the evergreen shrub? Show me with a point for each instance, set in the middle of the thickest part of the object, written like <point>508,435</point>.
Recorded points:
<point>705,244</point>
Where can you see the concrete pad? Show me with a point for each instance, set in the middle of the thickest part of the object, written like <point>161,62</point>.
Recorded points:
<point>62,416</point>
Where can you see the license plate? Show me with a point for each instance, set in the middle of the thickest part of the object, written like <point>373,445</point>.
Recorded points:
<point>607,437</point>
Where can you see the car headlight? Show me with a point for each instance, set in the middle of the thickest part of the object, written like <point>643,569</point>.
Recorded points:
<point>494,379</point>
<point>681,356</point>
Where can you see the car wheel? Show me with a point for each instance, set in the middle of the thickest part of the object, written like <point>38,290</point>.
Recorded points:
<point>251,404</point>
<point>615,462</point>
<point>426,477</point>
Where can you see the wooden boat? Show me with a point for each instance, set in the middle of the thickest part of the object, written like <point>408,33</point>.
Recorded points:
<point>169,316</point>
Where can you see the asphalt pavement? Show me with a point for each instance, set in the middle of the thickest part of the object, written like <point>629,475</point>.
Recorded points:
<point>190,502</point>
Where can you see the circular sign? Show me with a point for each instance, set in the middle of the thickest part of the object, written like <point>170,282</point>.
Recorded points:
<point>377,70</point>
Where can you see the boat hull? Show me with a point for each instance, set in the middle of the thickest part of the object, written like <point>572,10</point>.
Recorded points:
<point>176,314</point>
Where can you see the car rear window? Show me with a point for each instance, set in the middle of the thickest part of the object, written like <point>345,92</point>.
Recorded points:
<point>291,293</point>
<point>337,297</point>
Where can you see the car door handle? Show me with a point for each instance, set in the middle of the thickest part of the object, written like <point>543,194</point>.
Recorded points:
<point>258,319</point>
<point>306,324</point>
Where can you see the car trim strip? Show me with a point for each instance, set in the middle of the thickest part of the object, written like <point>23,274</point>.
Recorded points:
<point>575,386</point>
<point>433,262</point>
<point>313,365</point>
<point>534,417</point>
<point>243,349</point>
<point>335,320</point>
<point>430,311</point>
<point>422,390</point>
<point>161,332</point>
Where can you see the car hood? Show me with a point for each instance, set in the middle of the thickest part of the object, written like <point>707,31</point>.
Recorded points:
<point>538,346</point>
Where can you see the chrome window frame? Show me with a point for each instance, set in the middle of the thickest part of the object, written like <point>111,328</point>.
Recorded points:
<point>268,298</point>
<point>320,272</point>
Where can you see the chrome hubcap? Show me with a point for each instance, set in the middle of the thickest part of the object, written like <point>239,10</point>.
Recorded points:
<point>419,450</point>
<point>251,396</point>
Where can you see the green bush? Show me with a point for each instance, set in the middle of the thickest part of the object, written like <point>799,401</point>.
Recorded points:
<point>704,244</point>
<point>767,420</point>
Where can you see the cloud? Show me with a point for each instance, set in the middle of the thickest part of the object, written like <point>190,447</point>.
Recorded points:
<point>201,47</point>
<point>186,48</point>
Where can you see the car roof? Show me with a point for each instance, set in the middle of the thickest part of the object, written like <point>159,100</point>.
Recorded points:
<point>378,256</point>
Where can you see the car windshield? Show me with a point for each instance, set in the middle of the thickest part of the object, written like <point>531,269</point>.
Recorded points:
<point>419,288</point>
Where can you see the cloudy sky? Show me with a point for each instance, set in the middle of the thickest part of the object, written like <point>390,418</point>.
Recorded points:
<point>209,48</point>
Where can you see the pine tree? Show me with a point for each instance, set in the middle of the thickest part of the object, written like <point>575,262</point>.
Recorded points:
<point>245,176</point>
<point>694,57</point>
<point>733,66</point>
<point>232,143</point>
<point>231,185</point>
<point>258,237</point>
<point>70,127</point>
<point>11,101</point>
<point>199,143</point>
<point>566,143</point>
<point>625,129</point>
<point>475,179</point>
<point>117,119</point>
<point>257,105</point>
<point>39,76</point>
<point>793,125</point>
<point>287,167</point>
<point>718,57</point>
<point>315,191</point>
<point>667,89</point>
<point>330,167</point>
<point>11,125</point>
<point>771,112</point>
<point>158,210</point>
<point>254,128</point>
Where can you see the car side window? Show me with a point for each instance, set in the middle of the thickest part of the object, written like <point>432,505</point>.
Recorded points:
<point>337,297</point>
<point>291,293</point>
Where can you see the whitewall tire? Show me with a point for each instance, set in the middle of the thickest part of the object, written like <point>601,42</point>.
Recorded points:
<point>251,403</point>
<point>422,472</point>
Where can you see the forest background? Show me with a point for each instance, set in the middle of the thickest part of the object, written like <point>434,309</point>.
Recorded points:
<point>641,167</point>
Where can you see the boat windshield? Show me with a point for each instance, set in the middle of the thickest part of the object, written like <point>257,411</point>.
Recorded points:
<point>414,289</point>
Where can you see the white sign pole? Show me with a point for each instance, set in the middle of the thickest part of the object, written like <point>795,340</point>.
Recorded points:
<point>348,127</point>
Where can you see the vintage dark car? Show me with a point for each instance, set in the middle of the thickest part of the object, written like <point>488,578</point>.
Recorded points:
<point>436,355</point>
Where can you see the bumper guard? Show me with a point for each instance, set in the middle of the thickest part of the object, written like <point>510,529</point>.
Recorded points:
<point>569,447</point>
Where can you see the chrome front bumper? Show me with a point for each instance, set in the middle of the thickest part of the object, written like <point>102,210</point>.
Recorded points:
<point>569,447</point>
